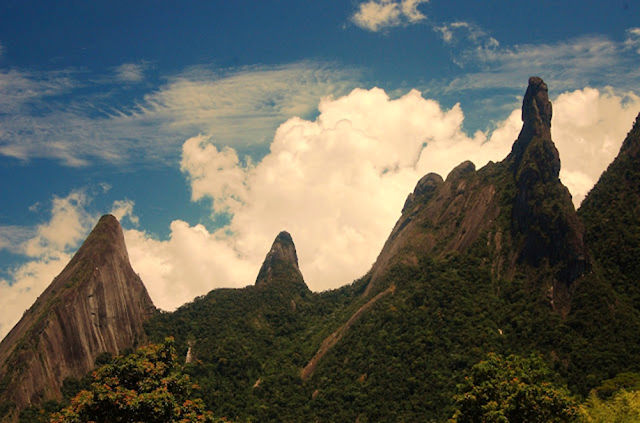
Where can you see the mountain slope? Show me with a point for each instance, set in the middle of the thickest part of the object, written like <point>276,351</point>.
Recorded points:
<point>611,213</point>
<point>97,304</point>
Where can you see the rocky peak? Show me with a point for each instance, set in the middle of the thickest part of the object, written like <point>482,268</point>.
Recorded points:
<point>536,116</point>
<point>96,304</point>
<point>544,221</point>
<point>281,262</point>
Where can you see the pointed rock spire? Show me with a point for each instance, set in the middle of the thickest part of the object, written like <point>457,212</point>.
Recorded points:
<point>96,304</point>
<point>281,263</point>
<point>536,117</point>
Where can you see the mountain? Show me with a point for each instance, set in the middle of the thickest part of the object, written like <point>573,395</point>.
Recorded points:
<point>516,211</point>
<point>491,259</point>
<point>96,304</point>
<point>487,260</point>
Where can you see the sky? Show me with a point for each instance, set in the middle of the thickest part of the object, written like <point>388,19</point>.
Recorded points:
<point>207,127</point>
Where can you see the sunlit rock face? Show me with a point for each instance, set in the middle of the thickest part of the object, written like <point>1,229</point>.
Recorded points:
<point>97,304</point>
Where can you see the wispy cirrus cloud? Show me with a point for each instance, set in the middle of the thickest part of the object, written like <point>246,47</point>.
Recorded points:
<point>238,107</point>
<point>633,39</point>
<point>572,64</point>
<point>378,15</point>
<point>131,72</point>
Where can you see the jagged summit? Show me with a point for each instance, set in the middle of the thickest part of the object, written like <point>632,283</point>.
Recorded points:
<point>281,263</point>
<point>96,304</point>
<point>536,119</point>
<point>516,209</point>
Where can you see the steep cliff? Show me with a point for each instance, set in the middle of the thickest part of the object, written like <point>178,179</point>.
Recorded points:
<point>97,304</point>
<point>517,212</point>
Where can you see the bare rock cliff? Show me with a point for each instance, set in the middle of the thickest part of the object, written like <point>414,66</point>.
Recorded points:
<point>97,304</point>
<point>280,266</point>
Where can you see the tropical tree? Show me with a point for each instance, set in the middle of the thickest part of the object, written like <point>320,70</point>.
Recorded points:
<point>146,386</point>
<point>512,390</point>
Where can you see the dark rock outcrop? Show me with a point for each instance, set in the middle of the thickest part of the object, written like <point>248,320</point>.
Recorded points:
<point>544,222</point>
<point>97,304</point>
<point>281,263</point>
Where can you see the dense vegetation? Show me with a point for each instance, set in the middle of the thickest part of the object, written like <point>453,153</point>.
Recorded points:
<point>145,386</point>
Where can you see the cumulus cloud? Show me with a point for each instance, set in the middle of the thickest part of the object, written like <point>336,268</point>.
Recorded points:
<point>123,209</point>
<point>588,128</point>
<point>376,15</point>
<point>131,72</point>
<point>239,107</point>
<point>338,183</point>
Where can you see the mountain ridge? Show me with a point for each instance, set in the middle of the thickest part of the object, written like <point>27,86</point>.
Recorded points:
<point>494,259</point>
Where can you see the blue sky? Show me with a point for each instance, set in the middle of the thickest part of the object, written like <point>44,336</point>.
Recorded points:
<point>209,126</point>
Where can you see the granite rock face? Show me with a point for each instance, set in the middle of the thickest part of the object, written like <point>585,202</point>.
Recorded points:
<point>281,264</point>
<point>97,304</point>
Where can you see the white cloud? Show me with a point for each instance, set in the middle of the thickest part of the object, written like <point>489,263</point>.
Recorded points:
<point>469,32</point>
<point>588,128</point>
<point>238,107</point>
<point>190,263</point>
<point>131,72</point>
<point>336,183</point>
<point>124,209</point>
<point>68,226</point>
<point>376,15</point>
<point>12,237</point>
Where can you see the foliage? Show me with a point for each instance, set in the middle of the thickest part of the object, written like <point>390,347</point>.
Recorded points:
<point>624,407</point>
<point>146,386</point>
<point>512,390</point>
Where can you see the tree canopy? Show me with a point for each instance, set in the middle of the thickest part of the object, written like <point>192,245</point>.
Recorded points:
<point>146,386</point>
<point>512,390</point>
